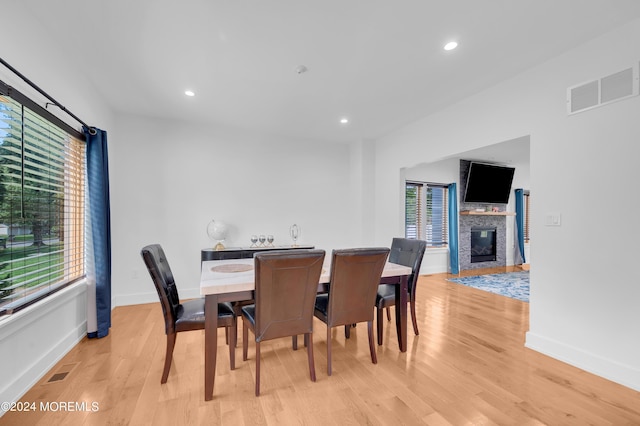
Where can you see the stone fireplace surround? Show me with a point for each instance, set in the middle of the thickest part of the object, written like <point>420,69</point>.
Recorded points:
<point>467,222</point>
<point>464,244</point>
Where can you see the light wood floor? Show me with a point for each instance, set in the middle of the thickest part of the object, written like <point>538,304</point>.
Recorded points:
<point>468,366</point>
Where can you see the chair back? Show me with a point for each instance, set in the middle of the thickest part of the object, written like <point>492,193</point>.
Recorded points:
<point>285,291</point>
<point>158,266</point>
<point>409,253</point>
<point>355,277</point>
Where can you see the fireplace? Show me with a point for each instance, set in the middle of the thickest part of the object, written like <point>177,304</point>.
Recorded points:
<point>483,244</point>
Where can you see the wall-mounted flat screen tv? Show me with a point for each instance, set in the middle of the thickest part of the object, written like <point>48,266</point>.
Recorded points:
<point>488,183</point>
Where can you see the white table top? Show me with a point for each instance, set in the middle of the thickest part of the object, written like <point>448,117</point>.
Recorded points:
<point>215,282</point>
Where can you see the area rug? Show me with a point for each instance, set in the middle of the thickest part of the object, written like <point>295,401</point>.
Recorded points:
<point>510,284</point>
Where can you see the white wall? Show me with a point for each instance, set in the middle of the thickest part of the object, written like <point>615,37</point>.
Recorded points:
<point>32,341</point>
<point>584,298</point>
<point>170,179</point>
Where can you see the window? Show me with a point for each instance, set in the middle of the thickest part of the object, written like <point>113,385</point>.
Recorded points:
<point>426,213</point>
<point>42,197</point>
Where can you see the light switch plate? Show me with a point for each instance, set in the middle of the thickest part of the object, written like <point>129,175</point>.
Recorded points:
<point>553,219</point>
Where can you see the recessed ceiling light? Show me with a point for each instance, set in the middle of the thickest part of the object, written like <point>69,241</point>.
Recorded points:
<point>189,93</point>
<point>344,120</point>
<point>451,45</point>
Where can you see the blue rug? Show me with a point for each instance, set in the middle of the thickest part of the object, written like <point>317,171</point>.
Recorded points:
<point>510,284</point>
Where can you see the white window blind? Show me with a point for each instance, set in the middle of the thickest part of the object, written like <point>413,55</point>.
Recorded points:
<point>437,225</point>
<point>413,211</point>
<point>426,213</point>
<point>42,197</point>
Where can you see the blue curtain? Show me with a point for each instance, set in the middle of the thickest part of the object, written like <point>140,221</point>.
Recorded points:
<point>453,228</point>
<point>520,222</point>
<point>98,233</point>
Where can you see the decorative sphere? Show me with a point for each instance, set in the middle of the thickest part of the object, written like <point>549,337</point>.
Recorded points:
<point>217,230</point>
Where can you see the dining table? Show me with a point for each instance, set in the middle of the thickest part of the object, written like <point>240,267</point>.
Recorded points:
<point>232,280</point>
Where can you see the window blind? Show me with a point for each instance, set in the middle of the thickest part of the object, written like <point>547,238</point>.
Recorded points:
<point>42,197</point>
<point>437,227</point>
<point>413,211</point>
<point>426,213</point>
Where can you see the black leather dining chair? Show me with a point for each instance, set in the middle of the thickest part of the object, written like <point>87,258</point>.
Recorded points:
<point>353,283</point>
<point>286,284</point>
<point>404,252</point>
<point>182,316</point>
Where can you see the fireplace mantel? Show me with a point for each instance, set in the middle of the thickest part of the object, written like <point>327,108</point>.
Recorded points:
<point>476,213</point>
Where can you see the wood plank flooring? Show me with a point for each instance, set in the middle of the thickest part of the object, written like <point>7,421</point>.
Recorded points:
<point>468,366</point>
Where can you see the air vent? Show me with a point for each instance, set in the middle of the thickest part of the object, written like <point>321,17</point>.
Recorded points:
<point>62,373</point>
<point>584,97</point>
<point>58,377</point>
<point>614,87</point>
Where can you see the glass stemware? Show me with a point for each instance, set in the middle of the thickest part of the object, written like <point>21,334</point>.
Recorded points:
<point>254,240</point>
<point>294,232</point>
<point>262,239</point>
<point>270,240</point>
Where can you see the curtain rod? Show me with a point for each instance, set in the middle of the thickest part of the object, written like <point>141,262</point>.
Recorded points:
<point>92,130</point>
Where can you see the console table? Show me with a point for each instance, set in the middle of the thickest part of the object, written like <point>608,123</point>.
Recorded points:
<point>242,252</point>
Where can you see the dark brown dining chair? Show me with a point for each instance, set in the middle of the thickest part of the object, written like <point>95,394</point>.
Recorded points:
<point>404,252</point>
<point>286,284</point>
<point>185,316</point>
<point>353,284</point>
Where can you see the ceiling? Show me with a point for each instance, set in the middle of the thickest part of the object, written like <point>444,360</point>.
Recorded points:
<point>380,63</point>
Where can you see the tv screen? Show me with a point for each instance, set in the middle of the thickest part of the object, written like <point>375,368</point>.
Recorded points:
<point>488,184</point>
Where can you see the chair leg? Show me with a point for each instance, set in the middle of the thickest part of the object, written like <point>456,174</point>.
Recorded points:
<point>168,356</point>
<point>232,331</point>
<point>372,347</point>
<point>294,342</point>
<point>257,368</point>
<point>412,304</point>
<point>238,311</point>
<point>379,315</point>
<point>328,350</point>
<point>347,331</point>
<point>226,335</point>
<point>388,313</point>
<point>308,339</point>
<point>245,340</point>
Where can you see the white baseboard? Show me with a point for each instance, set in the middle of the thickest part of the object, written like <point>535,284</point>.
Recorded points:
<point>603,367</point>
<point>151,297</point>
<point>135,299</point>
<point>434,269</point>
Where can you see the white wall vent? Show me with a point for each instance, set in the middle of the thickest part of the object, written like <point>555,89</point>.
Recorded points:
<point>614,87</point>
